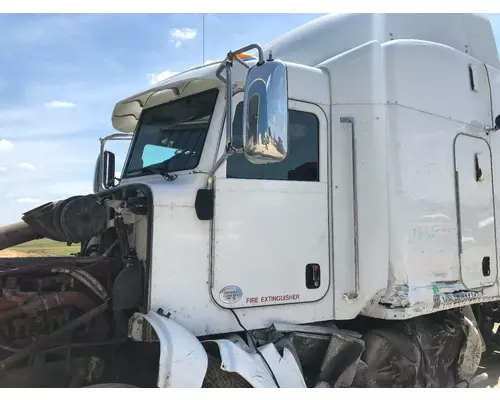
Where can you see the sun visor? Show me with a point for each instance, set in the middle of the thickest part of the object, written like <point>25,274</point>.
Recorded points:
<point>127,112</point>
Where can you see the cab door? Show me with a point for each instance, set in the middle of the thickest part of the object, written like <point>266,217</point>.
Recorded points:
<point>270,227</point>
<point>476,216</point>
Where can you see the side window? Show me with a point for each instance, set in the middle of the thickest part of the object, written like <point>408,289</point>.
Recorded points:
<point>302,161</point>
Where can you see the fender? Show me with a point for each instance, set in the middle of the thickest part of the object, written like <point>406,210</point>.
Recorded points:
<point>183,360</point>
<point>237,357</point>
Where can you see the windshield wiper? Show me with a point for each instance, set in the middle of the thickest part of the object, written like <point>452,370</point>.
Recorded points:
<point>155,169</point>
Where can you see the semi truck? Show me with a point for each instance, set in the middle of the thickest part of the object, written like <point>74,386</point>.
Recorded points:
<point>315,212</point>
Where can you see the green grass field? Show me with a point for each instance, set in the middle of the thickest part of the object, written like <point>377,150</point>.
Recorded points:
<point>47,247</point>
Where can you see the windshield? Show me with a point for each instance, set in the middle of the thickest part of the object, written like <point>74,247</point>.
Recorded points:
<point>171,136</point>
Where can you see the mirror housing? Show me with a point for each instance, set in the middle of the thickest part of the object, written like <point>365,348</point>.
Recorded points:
<point>104,173</point>
<point>265,113</point>
<point>109,169</point>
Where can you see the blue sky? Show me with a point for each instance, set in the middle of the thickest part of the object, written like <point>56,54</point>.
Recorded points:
<point>61,75</point>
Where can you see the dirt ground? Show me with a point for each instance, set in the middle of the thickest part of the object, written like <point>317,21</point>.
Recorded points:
<point>12,253</point>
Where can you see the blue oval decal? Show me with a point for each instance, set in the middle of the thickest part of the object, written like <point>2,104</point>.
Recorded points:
<point>230,294</point>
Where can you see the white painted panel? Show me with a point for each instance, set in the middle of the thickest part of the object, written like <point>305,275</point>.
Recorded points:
<point>435,79</point>
<point>333,34</point>
<point>266,232</point>
<point>181,276</point>
<point>361,233</point>
<point>424,244</point>
<point>477,222</point>
<point>494,77</point>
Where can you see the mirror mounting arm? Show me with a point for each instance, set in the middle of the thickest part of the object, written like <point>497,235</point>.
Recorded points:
<point>233,55</point>
<point>229,104</point>
<point>115,136</point>
<point>227,65</point>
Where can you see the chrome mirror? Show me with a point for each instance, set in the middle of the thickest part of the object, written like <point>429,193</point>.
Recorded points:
<point>265,113</point>
<point>104,172</point>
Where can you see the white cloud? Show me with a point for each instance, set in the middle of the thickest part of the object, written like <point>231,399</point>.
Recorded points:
<point>183,33</point>
<point>177,36</point>
<point>5,145</point>
<point>60,104</point>
<point>3,169</point>
<point>28,200</point>
<point>155,78</point>
<point>26,165</point>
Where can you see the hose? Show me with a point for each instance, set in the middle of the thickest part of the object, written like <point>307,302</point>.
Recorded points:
<point>48,301</point>
<point>92,283</point>
<point>86,279</point>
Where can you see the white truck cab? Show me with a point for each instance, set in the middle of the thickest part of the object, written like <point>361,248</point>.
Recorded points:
<point>316,212</point>
<point>385,186</point>
<point>357,178</point>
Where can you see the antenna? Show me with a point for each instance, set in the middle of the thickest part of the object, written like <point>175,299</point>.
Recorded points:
<point>203,37</point>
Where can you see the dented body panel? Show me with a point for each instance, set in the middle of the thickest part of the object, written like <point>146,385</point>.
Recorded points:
<point>249,365</point>
<point>183,361</point>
